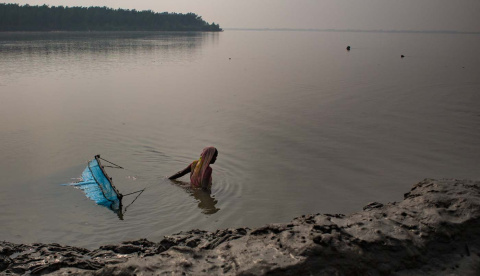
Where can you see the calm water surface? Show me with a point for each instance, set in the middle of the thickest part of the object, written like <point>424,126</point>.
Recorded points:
<point>302,126</point>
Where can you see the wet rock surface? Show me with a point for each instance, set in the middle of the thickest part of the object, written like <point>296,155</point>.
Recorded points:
<point>435,230</point>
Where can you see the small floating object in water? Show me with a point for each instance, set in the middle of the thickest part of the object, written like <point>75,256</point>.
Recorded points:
<point>348,48</point>
<point>402,56</point>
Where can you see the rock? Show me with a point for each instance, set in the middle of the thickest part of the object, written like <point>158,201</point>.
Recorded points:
<point>373,205</point>
<point>435,230</point>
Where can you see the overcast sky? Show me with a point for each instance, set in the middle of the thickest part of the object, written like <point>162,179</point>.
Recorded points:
<point>458,15</point>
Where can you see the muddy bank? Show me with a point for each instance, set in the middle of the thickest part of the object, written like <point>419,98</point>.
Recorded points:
<point>435,230</point>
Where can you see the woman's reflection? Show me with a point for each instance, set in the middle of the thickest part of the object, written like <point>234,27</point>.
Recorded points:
<point>204,197</point>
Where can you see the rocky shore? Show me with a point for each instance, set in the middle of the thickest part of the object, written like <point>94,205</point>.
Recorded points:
<point>435,230</point>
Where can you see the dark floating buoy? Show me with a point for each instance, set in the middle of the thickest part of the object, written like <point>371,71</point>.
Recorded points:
<point>402,56</point>
<point>348,48</point>
<point>229,58</point>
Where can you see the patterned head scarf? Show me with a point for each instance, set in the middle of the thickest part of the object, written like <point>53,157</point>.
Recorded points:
<point>202,164</point>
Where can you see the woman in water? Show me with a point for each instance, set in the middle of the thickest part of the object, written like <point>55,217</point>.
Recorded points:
<point>200,170</point>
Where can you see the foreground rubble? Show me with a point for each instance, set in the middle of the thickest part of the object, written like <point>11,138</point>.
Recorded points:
<point>435,230</point>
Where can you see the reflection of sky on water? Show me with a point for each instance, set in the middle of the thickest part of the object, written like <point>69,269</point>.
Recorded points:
<point>302,126</point>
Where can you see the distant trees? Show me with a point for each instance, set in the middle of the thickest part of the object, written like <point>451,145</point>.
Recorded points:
<point>14,17</point>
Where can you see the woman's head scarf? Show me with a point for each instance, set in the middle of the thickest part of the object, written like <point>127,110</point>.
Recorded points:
<point>198,174</point>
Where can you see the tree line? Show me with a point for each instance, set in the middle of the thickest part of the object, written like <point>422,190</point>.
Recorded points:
<point>14,17</point>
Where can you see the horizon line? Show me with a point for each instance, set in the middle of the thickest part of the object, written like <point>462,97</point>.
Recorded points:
<point>352,30</point>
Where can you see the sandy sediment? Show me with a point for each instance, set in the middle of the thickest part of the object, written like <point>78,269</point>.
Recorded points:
<point>435,230</point>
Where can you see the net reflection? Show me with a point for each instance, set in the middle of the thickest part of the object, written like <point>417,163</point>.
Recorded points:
<point>206,202</point>
<point>122,211</point>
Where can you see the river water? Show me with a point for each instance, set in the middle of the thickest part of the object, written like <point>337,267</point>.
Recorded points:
<point>301,125</point>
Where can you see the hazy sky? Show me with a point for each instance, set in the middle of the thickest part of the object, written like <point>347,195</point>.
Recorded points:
<point>459,15</point>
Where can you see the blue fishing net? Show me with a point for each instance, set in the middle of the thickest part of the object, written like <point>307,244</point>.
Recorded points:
<point>97,186</point>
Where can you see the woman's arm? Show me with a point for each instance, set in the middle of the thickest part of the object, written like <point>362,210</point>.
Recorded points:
<point>181,173</point>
